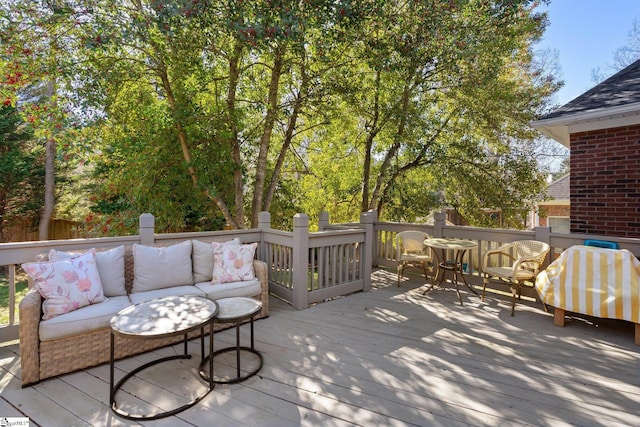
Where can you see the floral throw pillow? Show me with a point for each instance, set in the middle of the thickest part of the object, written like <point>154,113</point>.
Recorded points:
<point>110,265</point>
<point>233,263</point>
<point>66,285</point>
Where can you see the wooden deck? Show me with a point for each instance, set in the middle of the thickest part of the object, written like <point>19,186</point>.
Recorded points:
<point>387,357</point>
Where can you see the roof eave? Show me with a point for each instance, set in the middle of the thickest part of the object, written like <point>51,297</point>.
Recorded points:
<point>561,127</point>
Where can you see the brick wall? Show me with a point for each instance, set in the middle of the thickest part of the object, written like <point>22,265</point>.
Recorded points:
<point>552,210</point>
<point>605,182</point>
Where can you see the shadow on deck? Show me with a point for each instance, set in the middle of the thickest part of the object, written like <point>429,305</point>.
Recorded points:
<point>391,356</point>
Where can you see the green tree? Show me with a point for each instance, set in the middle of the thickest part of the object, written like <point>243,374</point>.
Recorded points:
<point>444,85</point>
<point>206,112</point>
<point>221,86</point>
<point>21,171</point>
<point>32,39</point>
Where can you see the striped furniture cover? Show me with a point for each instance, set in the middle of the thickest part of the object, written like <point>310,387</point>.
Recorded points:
<point>594,281</point>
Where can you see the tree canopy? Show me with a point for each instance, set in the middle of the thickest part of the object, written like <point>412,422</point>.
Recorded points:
<point>206,112</point>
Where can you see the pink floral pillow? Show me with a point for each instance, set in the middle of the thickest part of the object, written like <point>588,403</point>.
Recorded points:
<point>66,285</point>
<point>233,263</point>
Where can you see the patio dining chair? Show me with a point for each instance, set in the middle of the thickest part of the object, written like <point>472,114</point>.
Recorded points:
<point>514,263</point>
<point>412,252</point>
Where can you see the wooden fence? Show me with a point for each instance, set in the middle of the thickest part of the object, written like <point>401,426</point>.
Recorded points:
<point>59,229</point>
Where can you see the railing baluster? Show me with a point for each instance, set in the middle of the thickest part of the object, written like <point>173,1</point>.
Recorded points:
<point>12,294</point>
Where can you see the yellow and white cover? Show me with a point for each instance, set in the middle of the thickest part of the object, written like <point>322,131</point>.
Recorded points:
<point>593,281</point>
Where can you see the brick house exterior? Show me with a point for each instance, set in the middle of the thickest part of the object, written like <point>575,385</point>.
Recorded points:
<point>602,129</point>
<point>555,211</point>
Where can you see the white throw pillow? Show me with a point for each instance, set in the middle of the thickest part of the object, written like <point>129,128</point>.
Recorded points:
<point>161,267</point>
<point>203,259</point>
<point>233,263</point>
<point>110,266</point>
<point>66,285</point>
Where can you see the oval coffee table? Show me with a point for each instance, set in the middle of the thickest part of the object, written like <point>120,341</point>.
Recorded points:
<point>162,318</point>
<point>235,310</point>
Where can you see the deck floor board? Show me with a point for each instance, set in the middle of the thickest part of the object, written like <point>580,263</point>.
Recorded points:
<point>391,356</point>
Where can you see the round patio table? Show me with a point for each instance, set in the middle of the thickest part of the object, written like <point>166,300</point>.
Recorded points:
<point>459,247</point>
<point>235,310</point>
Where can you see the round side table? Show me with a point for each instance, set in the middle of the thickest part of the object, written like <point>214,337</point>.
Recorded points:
<point>235,310</point>
<point>161,318</point>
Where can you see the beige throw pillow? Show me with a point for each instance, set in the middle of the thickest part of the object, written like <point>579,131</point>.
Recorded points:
<point>203,259</point>
<point>161,267</point>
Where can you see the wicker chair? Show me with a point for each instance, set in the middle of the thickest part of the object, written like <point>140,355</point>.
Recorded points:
<point>411,252</point>
<point>525,257</point>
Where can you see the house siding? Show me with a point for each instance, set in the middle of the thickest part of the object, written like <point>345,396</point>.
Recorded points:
<point>605,182</point>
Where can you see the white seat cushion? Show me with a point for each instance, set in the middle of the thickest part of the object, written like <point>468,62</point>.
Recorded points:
<point>139,297</point>
<point>82,320</point>
<point>248,288</point>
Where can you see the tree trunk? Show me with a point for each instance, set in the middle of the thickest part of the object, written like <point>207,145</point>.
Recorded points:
<point>3,209</point>
<point>234,141</point>
<point>49,190</point>
<point>288,137</point>
<point>393,151</point>
<point>265,139</point>
<point>373,131</point>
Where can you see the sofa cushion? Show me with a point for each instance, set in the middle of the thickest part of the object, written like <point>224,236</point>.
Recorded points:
<point>247,288</point>
<point>83,320</point>
<point>66,285</point>
<point>139,297</point>
<point>110,266</point>
<point>203,259</point>
<point>233,263</point>
<point>161,267</point>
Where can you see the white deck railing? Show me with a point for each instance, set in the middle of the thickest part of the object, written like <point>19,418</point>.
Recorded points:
<point>331,262</point>
<point>305,267</point>
<point>486,239</point>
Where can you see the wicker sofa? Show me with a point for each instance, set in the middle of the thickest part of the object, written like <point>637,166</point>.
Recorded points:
<point>81,338</point>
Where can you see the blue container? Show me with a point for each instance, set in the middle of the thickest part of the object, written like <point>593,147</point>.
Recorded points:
<point>601,244</point>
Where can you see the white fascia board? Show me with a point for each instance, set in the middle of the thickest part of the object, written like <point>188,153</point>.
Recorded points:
<point>559,202</point>
<point>559,128</point>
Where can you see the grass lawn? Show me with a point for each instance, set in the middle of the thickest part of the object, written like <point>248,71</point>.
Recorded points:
<point>21,290</point>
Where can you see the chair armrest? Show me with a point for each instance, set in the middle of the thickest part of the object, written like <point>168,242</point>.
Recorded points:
<point>30,314</point>
<point>533,260</point>
<point>502,250</point>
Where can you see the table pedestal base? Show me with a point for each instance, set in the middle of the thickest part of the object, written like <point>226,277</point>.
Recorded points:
<point>237,349</point>
<point>454,266</point>
<point>123,380</point>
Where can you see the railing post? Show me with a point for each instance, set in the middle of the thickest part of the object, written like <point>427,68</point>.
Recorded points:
<point>367,222</point>
<point>439,221</point>
<point>323,220</point>
<point>543,234</point>
<point>147,229</point>
<point>264,223</point>
<point>300,261</point>
<point>264,220</point>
